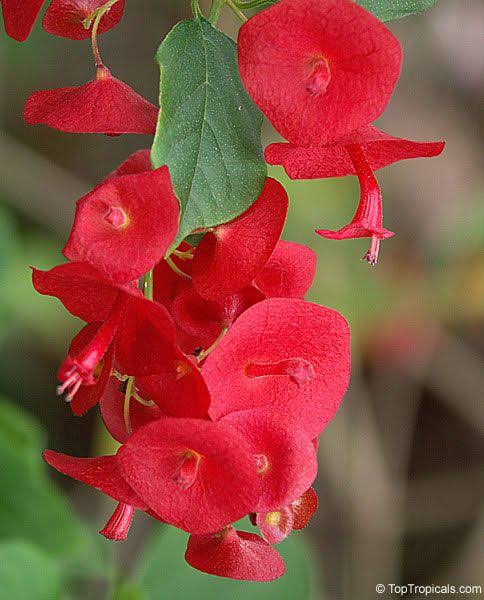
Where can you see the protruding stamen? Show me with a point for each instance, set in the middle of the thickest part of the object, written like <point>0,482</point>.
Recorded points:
<point>372,255</point>
<point>262,464</point>
<point>117,527</point>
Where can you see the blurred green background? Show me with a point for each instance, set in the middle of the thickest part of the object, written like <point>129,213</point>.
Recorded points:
<point>401,466</point>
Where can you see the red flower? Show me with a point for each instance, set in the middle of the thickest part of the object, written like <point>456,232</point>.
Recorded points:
<point>358,153</point>
<point>229,258</point>
<point>87,396</point>
<point>234,554</point>
<point>104,105</point>
<point>65,18</point>
<point>318,70</point>
<point>196,475</point>
<point>283,353</point>
<point>125,225</point>
<point>286,458</point>
<point>19,17</point>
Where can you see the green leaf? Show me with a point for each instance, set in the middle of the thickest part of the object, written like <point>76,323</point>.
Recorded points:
<point>388,10</point>
<point>209,129</point>
<point>26,573</point>
<point>31,508</point>
<point>163,573</point>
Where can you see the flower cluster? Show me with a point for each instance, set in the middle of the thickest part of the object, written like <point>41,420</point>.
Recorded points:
<point>322,72</point>
<point>209,368</point>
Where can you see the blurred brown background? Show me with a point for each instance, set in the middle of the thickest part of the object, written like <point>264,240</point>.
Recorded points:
<point>401,466</point>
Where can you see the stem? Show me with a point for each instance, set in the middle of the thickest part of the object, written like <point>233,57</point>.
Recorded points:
<point>148,285</point>
<point>174,268</point>
<point>233,7</point>
<point>215,11</point>
<point>203,355</point>
<point>196,9</point>
<point>95,19</point>
<point>188,255</point>
<point>249,4</point>
<point>127,400</point>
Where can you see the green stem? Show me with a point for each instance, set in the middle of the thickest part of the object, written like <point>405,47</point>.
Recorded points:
<point>148,285</point>
<point>97,15</point>
<point>215,11</point>
<point>236,10</point>
<point>174,268</point>
<point>196,9</point>
<point>249,4</point>
<point>203,355</point>
<point>127,401</point>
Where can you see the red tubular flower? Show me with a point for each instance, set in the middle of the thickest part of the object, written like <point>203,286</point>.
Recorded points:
<point>318,70</point>
<point>65,18</point>
<point>368,218</point>
<point>229,258</point>
<point>101,473</point>
<point>285,456</point>
<point>125,225</point>
<point>289,273</point>
<point>104,105</point>
<point>88,396</point>
<point>196,475</point>
<point>359,153</point>
<point>234,554</point>
<point>78,369</point>
<point>19,17</point>
<point>283,353</point>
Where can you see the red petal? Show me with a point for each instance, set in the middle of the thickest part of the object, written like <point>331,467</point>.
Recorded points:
<point>65,17</point>
<point>230,257</point>
<point>104,105</point>
<point>178,389</point>
<point>138,162</point>
<point>101,473</point>
<point>281,48</point>
<point>333,160</point>
<point>286,453</point>
<point>125,226</point>
<point>234,554</point>
<point>223,488</point>
<point>289,272</point>
<point>81,289</point>
<point>282,330</point>
<point>204,319</point>
<point>111,406</point>
<point>19,17</point>
<point>304,508</point>
<point>89,395</point>
<point>146,341</point>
